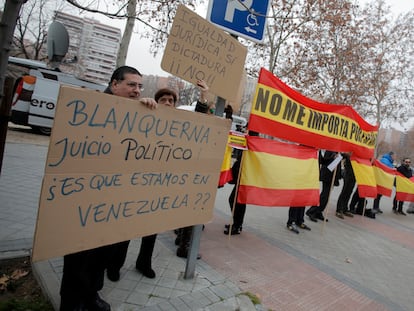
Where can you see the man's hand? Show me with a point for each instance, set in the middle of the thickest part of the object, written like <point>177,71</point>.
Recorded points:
<point>202,85</point>
<point>149,102</point>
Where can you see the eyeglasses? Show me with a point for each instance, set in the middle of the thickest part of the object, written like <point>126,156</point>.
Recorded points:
<point>407,162</point>
<point>135,85</point>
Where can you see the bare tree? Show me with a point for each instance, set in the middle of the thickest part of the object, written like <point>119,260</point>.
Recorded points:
<point>8,22</point>
<point>284,21</point>
<point>155,16</point>
<point>31,29</point>
<point>335,52</point>
<point>126,38</point>
<point>389,68</point>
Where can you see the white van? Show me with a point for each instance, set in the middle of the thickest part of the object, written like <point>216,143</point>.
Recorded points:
<point>237,120</point>
<point>35,95</point>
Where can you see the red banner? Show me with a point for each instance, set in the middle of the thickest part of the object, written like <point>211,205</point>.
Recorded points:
<point>279,111</point>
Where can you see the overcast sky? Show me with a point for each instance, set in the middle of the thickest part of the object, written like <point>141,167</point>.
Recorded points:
<point>140,58</point>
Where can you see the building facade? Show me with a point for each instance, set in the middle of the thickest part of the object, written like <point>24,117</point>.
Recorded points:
<point>93,47</point>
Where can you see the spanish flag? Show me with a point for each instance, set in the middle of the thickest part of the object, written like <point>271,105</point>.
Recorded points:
<point>385,177</point>
<point>278,174</point>
<point>225,171</point>
<point>365,177</point>
<point>404,188</point>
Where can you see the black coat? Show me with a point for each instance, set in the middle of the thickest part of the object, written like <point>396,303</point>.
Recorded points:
<point>405,170</point>
<point>325,174</point>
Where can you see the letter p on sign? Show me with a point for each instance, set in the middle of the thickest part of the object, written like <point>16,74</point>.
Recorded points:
<point>233,5</point>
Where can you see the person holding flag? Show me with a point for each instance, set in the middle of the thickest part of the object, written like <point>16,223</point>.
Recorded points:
<point>388,159</point>
<point>404,169</point>
<point>326,157</point>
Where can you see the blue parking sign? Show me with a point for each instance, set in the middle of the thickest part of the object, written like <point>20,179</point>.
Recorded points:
<point>245,18</point>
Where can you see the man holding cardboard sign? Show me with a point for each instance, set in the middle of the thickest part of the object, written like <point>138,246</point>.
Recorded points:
<point>167,97</point>
<point>83,272</point>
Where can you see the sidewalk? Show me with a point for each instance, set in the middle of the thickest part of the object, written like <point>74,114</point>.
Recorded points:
<point>352,264</point>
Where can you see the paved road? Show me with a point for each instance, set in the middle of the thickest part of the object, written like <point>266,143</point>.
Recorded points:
<point>352,264</point>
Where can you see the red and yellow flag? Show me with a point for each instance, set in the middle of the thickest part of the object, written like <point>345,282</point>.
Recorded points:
<point>279,111</point>
<point>384,177</point>
<point>404,188</point>
<point>365,177</point>
<point>278,174</point>
<point>225,171</point>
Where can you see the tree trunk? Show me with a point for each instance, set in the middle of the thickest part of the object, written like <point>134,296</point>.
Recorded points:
<point>126,37</point>
<point>7,25</point>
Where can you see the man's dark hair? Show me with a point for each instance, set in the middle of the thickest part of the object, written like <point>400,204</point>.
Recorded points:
<point>165,91</point>
<point>120,72</point>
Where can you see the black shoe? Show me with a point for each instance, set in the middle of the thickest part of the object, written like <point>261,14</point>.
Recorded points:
<point>348,214</point>
<point>293,228</point>
<point>303,226</point>
<point>402,213</point>
<point>113,275</point>
<point>147,271</point>
<point>320,217</point>
<point>228,226</point>
<point>70,306</point>
<point>394,210</point>
<point>98,304</point>
<point>380,211</point>
<point>182,253</point>
<point>234,230</point>
<point>311,217</point>
<point>339,215</point>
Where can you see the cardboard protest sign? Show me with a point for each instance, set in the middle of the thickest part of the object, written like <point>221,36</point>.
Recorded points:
<point>197,49</point>
<point>117,170</point>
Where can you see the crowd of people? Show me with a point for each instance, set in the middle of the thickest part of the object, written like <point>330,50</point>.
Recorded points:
<point>349,201</point>
<point>84,271</point>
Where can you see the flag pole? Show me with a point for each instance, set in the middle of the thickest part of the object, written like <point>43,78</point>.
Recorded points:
<point>236,193</point>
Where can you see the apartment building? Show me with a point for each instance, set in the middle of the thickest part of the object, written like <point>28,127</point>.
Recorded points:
<point>93,47</point>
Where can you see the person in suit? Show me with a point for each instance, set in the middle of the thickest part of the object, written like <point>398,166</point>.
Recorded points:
<point>405,169</point>
<point>296,220</point>
<point>143,264</point>
<point>326,157</point>
<point>388,159</point>
<point>347,188</point>
<point>83,272</point>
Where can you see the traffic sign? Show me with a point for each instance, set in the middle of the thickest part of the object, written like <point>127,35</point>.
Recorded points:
<point>245,18</point>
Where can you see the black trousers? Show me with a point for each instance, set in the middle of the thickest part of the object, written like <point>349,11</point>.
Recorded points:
<point>239,209</point>
<point>357,203</point>
<point>396,203</point>
<point>119,252</point>
<point>345,195</point>
<point>377,202</point>
<point>323,199</point>
<point>296,214</point>
<point>83,276</point>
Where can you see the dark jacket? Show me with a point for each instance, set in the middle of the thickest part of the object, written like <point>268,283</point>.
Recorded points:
<point>201,107</point>
<point>405,170</point>
<point>325,174</point>
<point>348,173</point>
